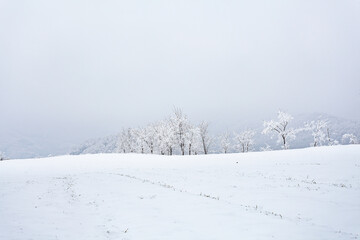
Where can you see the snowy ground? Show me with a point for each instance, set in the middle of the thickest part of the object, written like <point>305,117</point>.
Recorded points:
<point>310,193</point>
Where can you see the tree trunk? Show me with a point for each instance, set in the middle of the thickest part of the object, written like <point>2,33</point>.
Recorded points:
<point>182,146</point>
<point>284,141</point>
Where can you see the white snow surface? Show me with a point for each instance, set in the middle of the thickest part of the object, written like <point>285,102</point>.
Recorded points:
<point>311,193</point>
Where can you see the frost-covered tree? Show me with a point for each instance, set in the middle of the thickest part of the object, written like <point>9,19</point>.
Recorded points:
<point>139,136</point>
<point>157,127</point>
<point>244,140</point>
<point>329,139</point>
<point>225,142</point>
<point>349,138</point>
<point>165,137</point>
<point>318,131</point>
<point>280,128</point>
<point>121,142</point>
<point>149,137</point>
<point>206,139</point>
<point>193,140</point>
<point>127,141</point>
<point>180,125</point>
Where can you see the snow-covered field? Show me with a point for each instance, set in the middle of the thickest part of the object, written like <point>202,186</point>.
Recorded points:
<point>302,194</point>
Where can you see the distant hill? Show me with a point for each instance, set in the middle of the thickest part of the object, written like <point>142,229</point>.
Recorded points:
<point>101,145</point>
<point>16,144</point>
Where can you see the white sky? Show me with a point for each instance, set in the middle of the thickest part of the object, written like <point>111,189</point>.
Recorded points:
<point>76,69</point>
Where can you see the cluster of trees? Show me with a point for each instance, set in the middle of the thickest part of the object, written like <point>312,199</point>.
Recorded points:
<point>177,135</point>
<point>319,129</point>
<point>280,128</point>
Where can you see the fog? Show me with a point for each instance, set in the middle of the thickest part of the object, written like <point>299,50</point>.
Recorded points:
<point>73,70</point>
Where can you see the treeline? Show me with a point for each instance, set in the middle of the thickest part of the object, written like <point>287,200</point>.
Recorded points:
<point>178,135</point>
<point>174,135</point>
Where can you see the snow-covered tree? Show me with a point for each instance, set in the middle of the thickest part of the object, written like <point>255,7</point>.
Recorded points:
<point>149,136</point>
<point>180,125</point>
<point>121,142</point>
<point>140,135</point>
<point>165,137</point>
<point>280,128</point>
<point>193,140</point>
<point>206,139</point>
<point>329,139</point>
<point>127,141</point>
<point>244,140</point>
<point>318,131</point>
<point>225,142</point>
<point>349,138</point>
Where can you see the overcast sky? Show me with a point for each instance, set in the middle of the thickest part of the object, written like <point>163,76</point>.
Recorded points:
<point>70,70</point>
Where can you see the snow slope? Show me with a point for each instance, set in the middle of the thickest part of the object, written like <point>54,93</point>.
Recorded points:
<point>311,193</point>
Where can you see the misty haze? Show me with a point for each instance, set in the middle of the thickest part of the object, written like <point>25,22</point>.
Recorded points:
<point>180,119</point>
